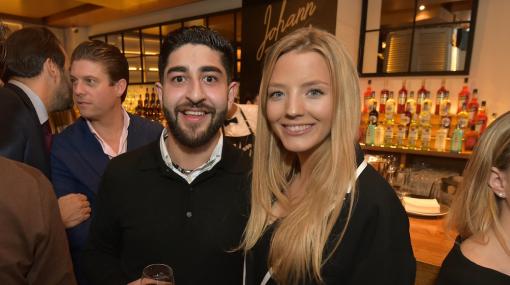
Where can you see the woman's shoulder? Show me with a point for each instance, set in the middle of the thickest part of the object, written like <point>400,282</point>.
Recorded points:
<point>375,191</point>
<point>458,268</point>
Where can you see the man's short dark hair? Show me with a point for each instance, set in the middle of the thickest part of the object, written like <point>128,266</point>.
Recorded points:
<point>197,35</point>
<point>114,62</point>
<point>27,50</point>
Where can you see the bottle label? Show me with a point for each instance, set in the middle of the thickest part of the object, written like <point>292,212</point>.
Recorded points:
<point>445,122</point>
<point>425,134</point>
<point>379,135</point>
<point>401,135</point>
<point>472,114</point>
<point>370,136</point>
<point>390,108</point>
<point>425,118</point>
<point>444,108</point>
<point>372,120</point>
<point>402,97</point>
<point>463,122</point>
<point>480,125</point>
<point>413,136</point>
<point>456,145</point>
<point>404,120</point>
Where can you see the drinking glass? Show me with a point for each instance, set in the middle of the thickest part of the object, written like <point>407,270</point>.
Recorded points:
<point>158,274</point>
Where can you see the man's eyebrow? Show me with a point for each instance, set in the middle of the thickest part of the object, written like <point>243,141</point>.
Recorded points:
<point>210,69</point>
<point>177,69</point>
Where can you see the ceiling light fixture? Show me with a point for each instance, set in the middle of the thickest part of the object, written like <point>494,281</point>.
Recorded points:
<point>422,7</point>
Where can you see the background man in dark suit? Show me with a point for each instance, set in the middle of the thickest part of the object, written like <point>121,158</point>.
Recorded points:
<point>181,200</point>
<point>33,246</point>
<point>99,75</point>
<point>37,84</point>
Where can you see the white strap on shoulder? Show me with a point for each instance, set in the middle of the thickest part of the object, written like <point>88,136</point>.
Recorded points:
<point>359,170</point>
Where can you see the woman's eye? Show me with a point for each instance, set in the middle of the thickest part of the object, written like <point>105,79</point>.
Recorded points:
<point>315,92</point>
<point>275,95</point>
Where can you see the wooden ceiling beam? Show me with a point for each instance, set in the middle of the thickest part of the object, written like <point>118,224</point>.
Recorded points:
<point>35,21</point>
<point>69,13</point>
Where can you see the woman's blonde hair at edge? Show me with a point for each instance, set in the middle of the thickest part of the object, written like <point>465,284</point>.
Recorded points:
<point>299,239</point>
<point>475,208</point>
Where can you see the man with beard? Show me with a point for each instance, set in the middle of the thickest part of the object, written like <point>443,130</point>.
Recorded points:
<point>182,200</point>
<point>99,75</point>
<point>37,84</point>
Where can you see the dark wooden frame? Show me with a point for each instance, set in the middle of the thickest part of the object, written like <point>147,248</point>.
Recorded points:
<point>363,31</point>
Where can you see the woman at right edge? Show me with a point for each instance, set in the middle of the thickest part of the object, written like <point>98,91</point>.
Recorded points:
<point>319,214</point>
<point>480,213</point>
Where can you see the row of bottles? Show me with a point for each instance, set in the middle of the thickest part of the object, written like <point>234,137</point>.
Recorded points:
<point>150,107</point>
<point>415,123</point>
<point>389,104</point>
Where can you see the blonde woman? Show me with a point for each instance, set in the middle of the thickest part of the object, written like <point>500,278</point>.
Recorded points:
<point>319,214</point>
<point>481,214</point>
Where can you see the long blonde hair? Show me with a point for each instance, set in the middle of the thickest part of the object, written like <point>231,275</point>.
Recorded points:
<point>475,209</point>
<point>299,239</point>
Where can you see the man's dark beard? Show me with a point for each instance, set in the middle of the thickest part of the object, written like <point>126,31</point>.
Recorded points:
<point>192,139</point>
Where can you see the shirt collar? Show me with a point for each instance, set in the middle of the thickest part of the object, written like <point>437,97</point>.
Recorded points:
<point>213,159</point>
<point>107,149</point>
<point>39,107</point>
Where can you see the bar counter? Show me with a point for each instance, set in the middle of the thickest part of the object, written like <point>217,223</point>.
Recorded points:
<point>431,243</point>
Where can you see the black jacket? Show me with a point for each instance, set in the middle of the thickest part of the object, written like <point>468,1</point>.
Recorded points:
<point>21,134</point>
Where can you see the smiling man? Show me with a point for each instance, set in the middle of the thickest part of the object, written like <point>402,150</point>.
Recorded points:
<point>99,76</point>
<point>181,200</point>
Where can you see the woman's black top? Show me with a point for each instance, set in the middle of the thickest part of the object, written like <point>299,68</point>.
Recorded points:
<point>458,270</point>
<point>376,248</point>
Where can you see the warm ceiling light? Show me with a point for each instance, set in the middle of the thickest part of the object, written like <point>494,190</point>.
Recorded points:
<point>422,7</point>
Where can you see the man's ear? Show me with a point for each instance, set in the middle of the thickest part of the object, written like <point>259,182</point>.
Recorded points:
<point>159,91</point>
<point>52,69</point>
<point>497,182</point>
<point>233,91</point>
<point>121,86</point>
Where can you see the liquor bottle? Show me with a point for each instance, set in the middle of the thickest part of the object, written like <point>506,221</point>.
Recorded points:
<point>481,119</point>
<point>401,135</point>
<point>390,109</point>
<point>463,117</point>
<point>440,95</point>
<point>370,135</point>
<point>413,135</point>
<point>456,143</point>
<point>472,107</point>
<point>139,106</point>
<point>157,110</point>
<point>372,101</point>
<point>412,102</point>
<point>402,98</point>
<point>445,104</point>
<point>366,96</point>
<point>426,135</point>
<point>379,135</point>
<point>463,95</point>
<point>425,114</point>
<point>146,103</point>
<point>385,93</point>
<point>373,115</point>
<point>470,138</point>
<point>440,142</point>
<point>422,93</point>
<point>388,134</point>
